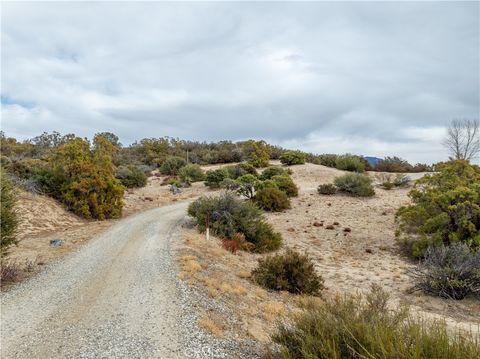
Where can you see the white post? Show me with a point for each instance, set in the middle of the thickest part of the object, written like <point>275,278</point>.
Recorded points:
<point>208,233</point>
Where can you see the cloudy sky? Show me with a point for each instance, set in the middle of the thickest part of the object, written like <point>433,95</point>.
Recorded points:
<point>371,78</point>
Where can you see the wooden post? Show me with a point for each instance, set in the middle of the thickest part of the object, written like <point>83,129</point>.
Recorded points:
<point>207,224</point>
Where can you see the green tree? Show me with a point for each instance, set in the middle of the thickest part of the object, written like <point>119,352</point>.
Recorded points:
<point>290,158</point>
<point>445,209</point>
<point>9,220</point>
<point>257,153</point>
<point>83,179</point>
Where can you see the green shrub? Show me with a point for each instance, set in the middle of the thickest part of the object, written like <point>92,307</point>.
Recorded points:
<point>230,184</point>
<point>227,216</point>
<point>83,180</point>
<point>131,176</point>
<point>247,184</point>
<point>388,185</point>
<point>266,184</point>
<point>238,170</point>
<point>172,165</point>
<point>445,209</point>
<point>215,177</point>
<point>327,189</point>
<point>272,199</point>
<point>449,272</point>
<point>26,168</point>
<point>8,220</point>
<point>350,163</point>
<point>290,158</point>
<point>262,236</point>
<point>355,184</point>
<point>359,327</point>
<point>191,173</point>
<point>292,272</point>
<point>257,153</point>
<point>393,164</point>
<point>328,160</point>
<point>286,184</point>
<point>271,171</point>
<point>401,180</point>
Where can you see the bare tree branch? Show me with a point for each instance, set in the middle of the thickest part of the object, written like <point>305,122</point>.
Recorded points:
<point>463,139</point>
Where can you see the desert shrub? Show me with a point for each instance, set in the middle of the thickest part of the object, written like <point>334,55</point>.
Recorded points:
<point>191,173</point>
<point>227,216</point>
<point>290,158</point>
<point>387,185</point>
<point>329,160</point>
<point>445,209</point>
<point>422,167</point>
<point>215,177</point>
<point>230,184</point>
<point>82,178</point>
<point>291,271</point>
<point>286,184</point>
<point>172,165</point>
<point>449,272</point>
<point>355,184</point>
<point>272,199</point>
<point>327,189</point>
<point>8,220</point>
<point>247,184</point>
<point>238,170</point>
<point>265,184</point>
<point>9,272</point>
<point>257,153</point>
<point>263,238</point>
<point>401,180</point>
<point>393,164</point>
<point>26,168</point>
<point>350,163</point>
<point>271,171</point>
<point>131,176</point>
<point>364,327</point>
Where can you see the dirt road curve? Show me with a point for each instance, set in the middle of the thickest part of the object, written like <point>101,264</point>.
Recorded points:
<point>116,297</point>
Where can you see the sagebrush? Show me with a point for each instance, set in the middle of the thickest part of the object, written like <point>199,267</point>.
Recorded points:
<point>227,215</point>
<point>292,271</point>
<point>364,327</point>
<point>355,184</point>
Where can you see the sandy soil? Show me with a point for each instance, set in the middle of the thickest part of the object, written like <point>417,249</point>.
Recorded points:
<point>348,261</point>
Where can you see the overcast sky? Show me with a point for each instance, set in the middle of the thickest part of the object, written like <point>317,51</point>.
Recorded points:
<point>371,78</point>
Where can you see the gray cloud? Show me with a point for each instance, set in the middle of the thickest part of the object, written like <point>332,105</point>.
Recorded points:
<point>371,78</point>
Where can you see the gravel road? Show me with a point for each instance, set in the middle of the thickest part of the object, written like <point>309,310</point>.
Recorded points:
<point>116,297</point>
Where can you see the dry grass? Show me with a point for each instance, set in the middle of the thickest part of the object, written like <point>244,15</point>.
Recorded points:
<point>273,310</point>
<point>210,326</point>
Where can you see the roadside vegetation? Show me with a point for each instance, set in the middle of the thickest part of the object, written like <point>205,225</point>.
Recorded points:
<point>364,327</point>
<point>230,218</point>
<point>9,220</point>
<point>292,271</point>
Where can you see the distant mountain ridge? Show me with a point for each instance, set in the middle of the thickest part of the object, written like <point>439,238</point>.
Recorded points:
<point>372,160</point>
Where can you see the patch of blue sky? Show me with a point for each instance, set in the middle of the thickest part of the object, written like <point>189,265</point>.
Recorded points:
<point>7,100</point>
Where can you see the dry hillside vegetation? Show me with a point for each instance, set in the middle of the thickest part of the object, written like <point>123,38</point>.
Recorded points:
<point>352,242</point>
<point>43,219</point>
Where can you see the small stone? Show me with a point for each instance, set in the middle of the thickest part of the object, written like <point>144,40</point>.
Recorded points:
<point>56,242</point>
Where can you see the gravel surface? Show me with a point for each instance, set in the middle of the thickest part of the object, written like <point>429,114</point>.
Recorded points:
<point>118,296</point>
